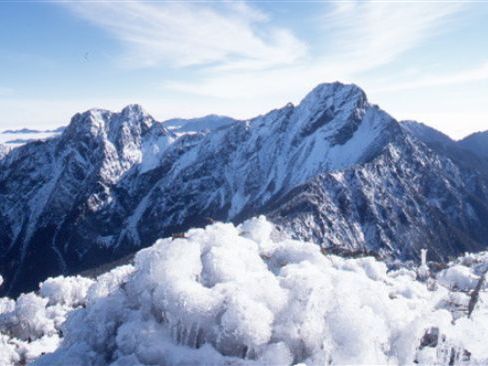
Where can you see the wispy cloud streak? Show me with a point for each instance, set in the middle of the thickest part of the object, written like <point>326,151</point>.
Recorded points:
<point>183,34</point>
<point>472,74</point>
<point>360,36</point>
<point>367,34</point>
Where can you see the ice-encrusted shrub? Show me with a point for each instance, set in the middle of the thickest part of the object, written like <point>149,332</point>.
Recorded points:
<point>245,296</point>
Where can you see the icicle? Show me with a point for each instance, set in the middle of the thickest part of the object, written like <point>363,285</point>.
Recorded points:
<point>200,337</point>
<point>245,351</point>
<point>423,256</point>
<point>423,272</point>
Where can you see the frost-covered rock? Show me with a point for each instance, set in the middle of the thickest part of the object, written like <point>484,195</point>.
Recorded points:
<point>458,277</point>
<point>244,295</point>
<point>70,291</point>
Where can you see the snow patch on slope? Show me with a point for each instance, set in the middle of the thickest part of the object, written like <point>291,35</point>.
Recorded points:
<point>152,152</point>
<point>4,150</point>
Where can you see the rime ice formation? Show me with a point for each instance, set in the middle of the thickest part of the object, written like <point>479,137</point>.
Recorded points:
<point>248,295</point>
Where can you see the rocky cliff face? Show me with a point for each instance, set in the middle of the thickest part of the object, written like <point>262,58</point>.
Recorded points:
<point>334,169</point>
<point>405,199</point>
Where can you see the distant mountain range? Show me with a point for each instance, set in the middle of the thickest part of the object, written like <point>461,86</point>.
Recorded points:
<point>30,131</point>
<point>334,169</point>
<point>15,138</point>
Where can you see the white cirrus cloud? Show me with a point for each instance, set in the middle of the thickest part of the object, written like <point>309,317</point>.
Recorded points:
<point>372,33</point>
<point>358,37</point>
<point>181,34</point>
<point>466,75</point>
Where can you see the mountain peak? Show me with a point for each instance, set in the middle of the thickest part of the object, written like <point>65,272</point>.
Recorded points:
<point>332,99</point>
<point>333,108</point>
<point>91,122</point>
<point>96,120</point>
<point>336,90</point>
<point>133,110</point>
<point>134,115</point>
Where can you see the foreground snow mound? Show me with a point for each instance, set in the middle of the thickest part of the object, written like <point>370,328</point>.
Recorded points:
<point>243,295</point>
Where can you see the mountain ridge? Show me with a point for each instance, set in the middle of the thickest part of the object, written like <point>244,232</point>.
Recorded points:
<point>477,143</point>
<point>112,183</point>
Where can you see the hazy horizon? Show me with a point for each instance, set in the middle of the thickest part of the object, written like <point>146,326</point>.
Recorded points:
<point>424,61</point>
<point>45,127</point>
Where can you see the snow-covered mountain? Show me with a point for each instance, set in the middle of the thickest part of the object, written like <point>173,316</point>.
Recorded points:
<point>334,169</point>
<point>469,152</point>
<point>248,296</point>
<point>427,134</point>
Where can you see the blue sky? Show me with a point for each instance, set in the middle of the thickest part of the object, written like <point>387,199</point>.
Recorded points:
<point>418,60</point>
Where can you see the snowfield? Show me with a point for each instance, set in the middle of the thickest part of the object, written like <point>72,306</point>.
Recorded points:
<point>247,295</point>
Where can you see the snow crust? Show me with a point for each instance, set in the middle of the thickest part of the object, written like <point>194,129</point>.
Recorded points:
<point>247,295</point>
